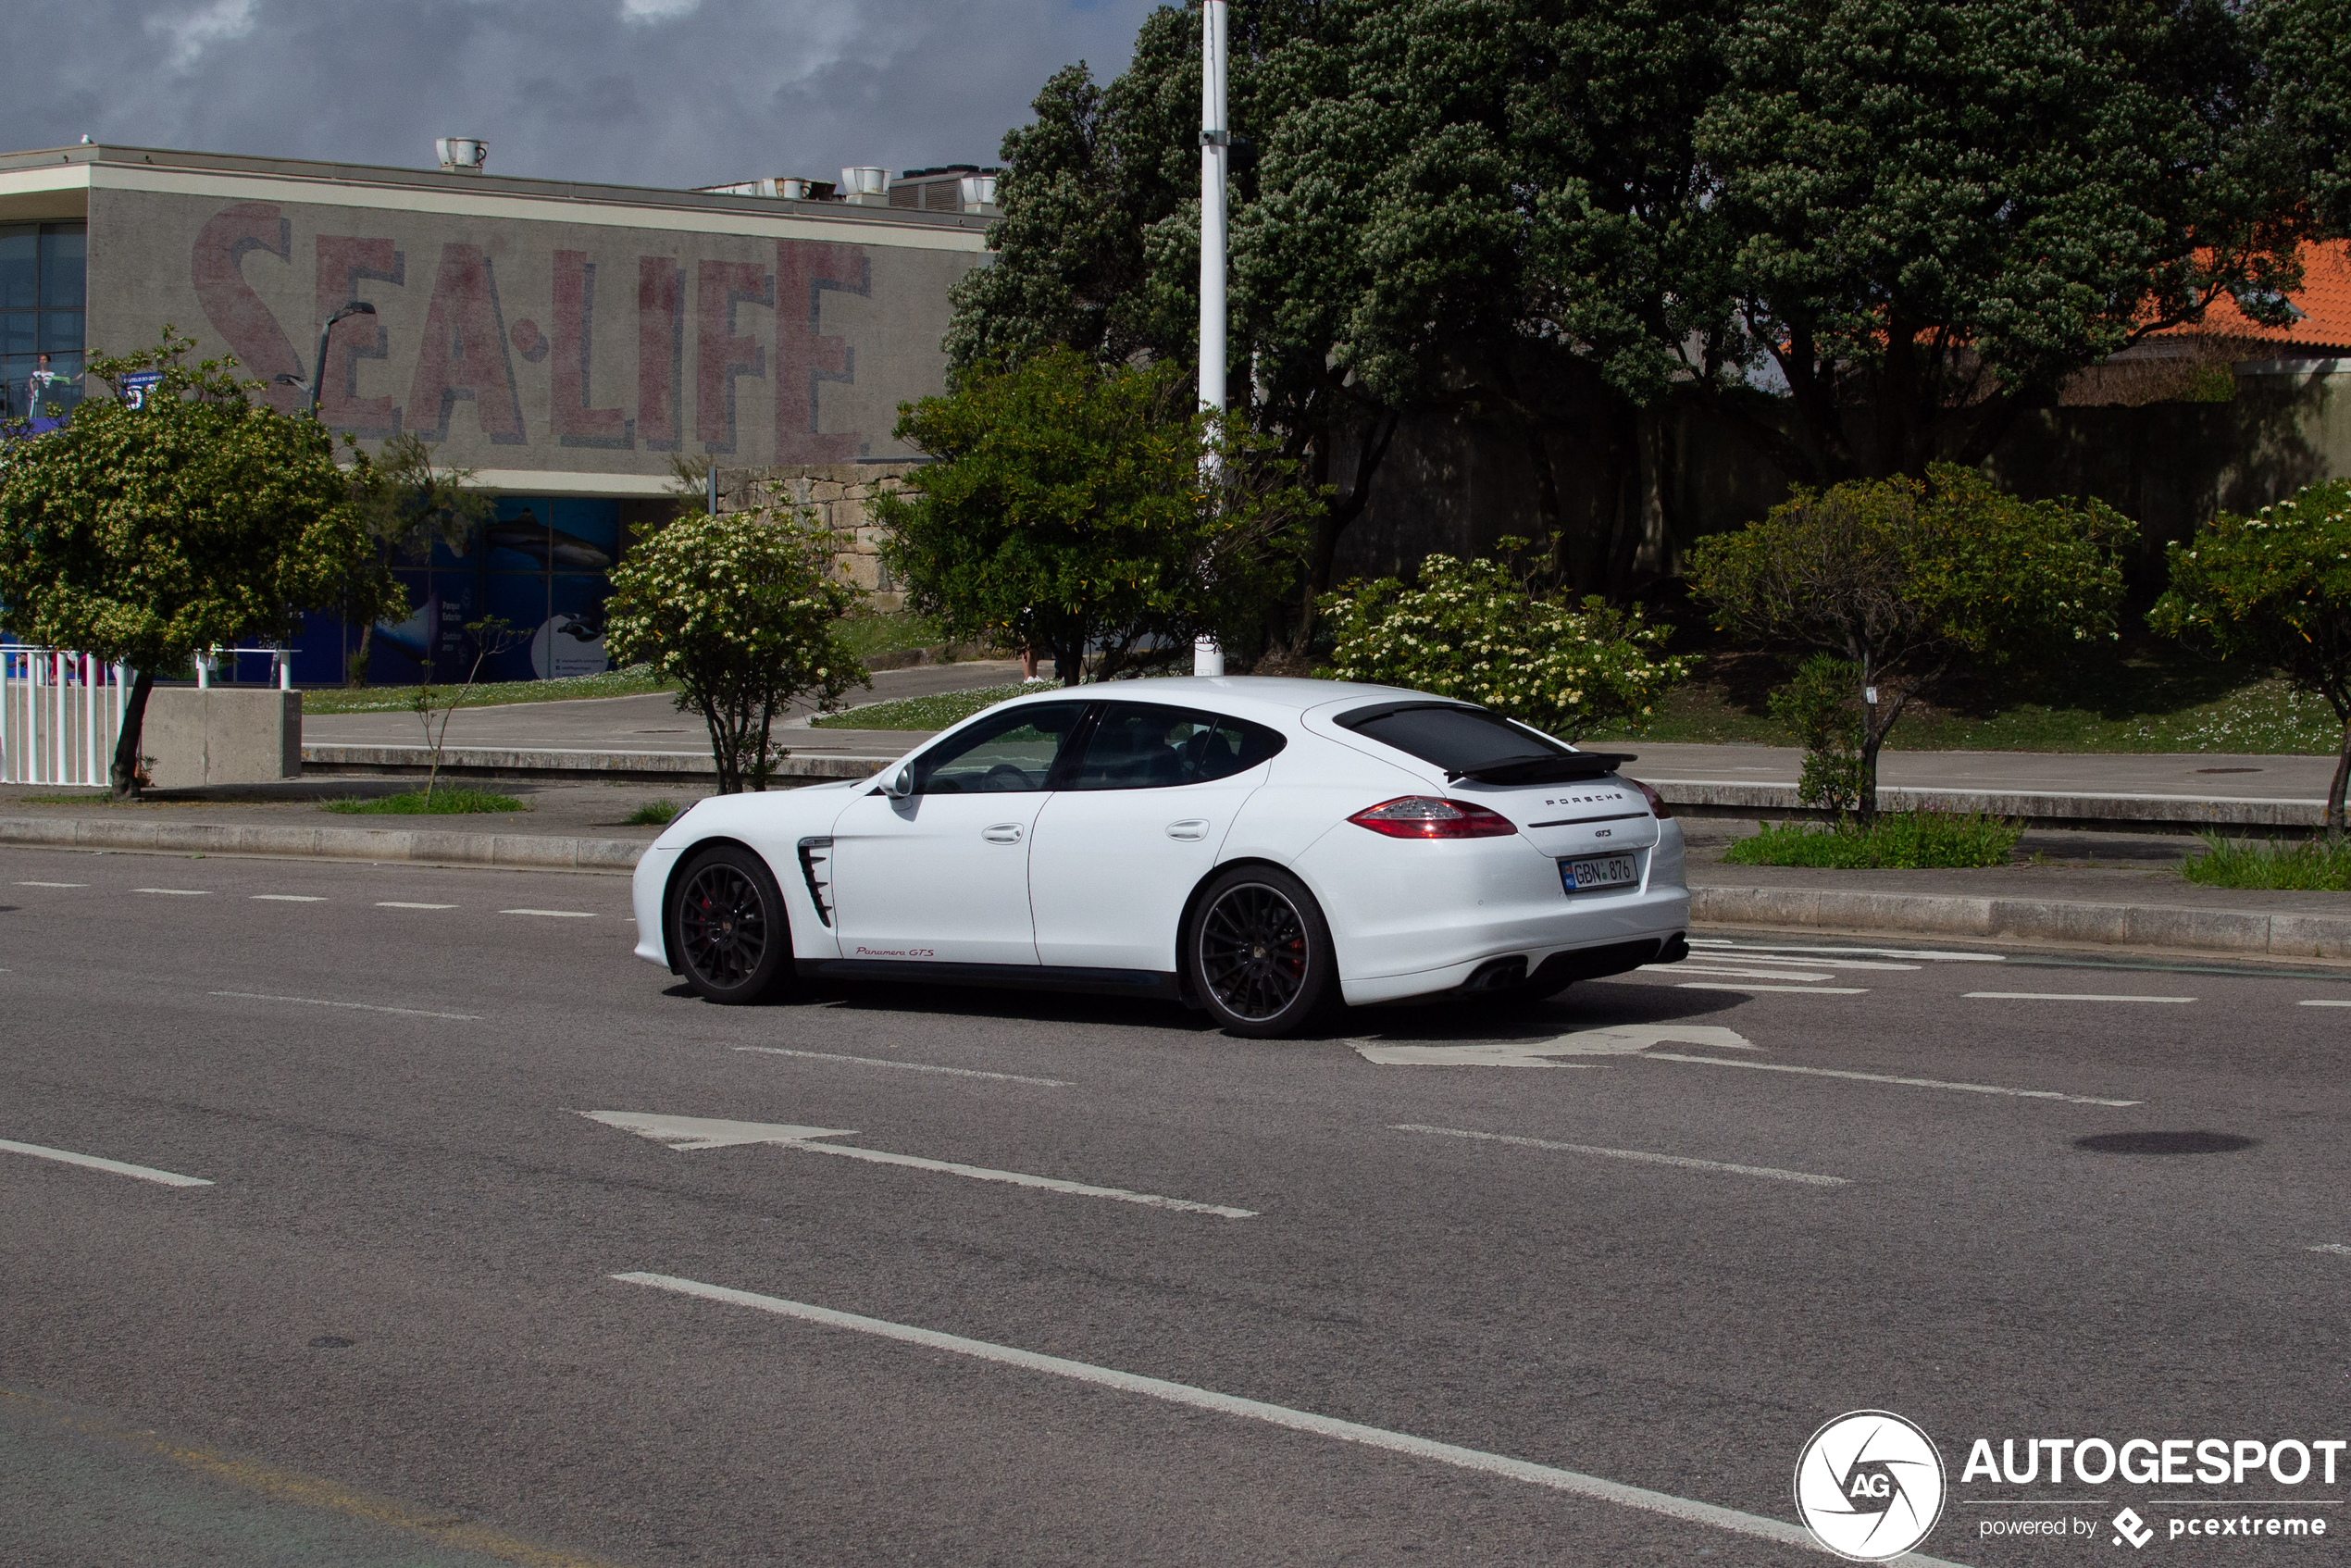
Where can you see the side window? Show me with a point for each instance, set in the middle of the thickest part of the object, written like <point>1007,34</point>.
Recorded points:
<point>1142,746</point>
<point>1009,753</point>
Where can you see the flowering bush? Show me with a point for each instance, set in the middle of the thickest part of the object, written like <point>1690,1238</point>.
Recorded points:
<point>740,610</point>
<point>1476,631</point>
<point>2276,587</point>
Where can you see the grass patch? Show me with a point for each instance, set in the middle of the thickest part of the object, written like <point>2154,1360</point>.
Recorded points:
<point>891,631</point>
<point>445,803</point>
<point>633,681</point>
<point>2154,698</point>
<point>930,713</point>
<point>653,813</point>
<point>1903,841</point>
<point>2312,866</point>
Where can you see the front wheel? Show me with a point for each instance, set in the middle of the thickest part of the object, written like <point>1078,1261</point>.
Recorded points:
<point>728,929</point>
<point>1258,954</point>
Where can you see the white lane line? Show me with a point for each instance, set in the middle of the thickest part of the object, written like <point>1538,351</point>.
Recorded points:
<point>2070,996</point>
<point>1682,1161</point>
<point>2337,1248</point>
<point>554,913</point>
<point>1817,990</point>
<point>2322,1005</point>
<point>178,893</point>
<point>395,903</point>
<point>1686,968</point>
<point>287,898</point>
<point>52,884</point>
<point>355,1006</point>
<point>1931,955</point>
<point>1688,1510</point>
<point>67,1157</point>
<point>700,1132</point>
<point>905,1066</point>
<point>1887,1079</point>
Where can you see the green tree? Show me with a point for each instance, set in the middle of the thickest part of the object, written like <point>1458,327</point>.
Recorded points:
<point>1903,577</point>
<point>1478,632</point>
<point>742,611</point>
<point>1072,508</point>
<point>143,535</point>
<point>2275,587</point>
<point>1933,211</point>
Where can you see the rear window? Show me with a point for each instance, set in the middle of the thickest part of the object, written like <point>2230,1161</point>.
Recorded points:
<point>1458,740</point>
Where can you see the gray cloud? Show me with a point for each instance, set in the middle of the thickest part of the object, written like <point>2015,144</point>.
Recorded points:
<point>666,93</point>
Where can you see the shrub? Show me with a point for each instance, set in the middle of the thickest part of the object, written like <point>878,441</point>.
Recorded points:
<point>2309,865</point>
<point>1903,841</point>
<point>1476,631</point>
<point>1821,709</point>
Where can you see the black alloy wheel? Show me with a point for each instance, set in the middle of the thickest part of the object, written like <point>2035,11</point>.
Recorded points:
<point>728,929</point>
<point>1260,953</point>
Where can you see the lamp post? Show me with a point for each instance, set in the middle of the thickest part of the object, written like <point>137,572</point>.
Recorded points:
<point>1216,151</point>
<point>319,372</point>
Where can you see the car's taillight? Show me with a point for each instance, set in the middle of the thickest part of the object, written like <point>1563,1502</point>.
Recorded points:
<point>1425,817</point>
<point>1655,801</point>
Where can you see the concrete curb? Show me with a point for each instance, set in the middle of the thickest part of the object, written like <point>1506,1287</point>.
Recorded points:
<point>2168,814</point>
<point>422,846</point>
<point>487,762</point>
<point>2183,929</point>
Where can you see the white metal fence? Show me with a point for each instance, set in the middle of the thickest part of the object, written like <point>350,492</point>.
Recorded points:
<point>59,714</point>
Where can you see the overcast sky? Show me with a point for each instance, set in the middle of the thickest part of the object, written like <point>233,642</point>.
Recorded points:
<point>673,92</point>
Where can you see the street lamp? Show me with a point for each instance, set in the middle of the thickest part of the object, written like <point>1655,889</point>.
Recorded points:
<point>1215,148</point>
<point>319,374</point>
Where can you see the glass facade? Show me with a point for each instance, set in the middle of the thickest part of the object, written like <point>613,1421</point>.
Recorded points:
<point>42,295</point>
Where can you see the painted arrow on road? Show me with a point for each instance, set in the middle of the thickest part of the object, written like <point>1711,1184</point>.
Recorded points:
<point>1623,1040</point>
<point>699,1132</point>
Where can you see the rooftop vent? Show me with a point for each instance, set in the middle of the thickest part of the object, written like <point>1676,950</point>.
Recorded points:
<point>866,186</point>
<point>791,188</point>
<point>461,154</point>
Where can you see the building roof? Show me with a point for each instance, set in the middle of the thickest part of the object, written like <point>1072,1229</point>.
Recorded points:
<point>2324,300</point>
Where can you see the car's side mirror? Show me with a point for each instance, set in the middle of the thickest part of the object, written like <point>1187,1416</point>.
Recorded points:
<point>899,785</point>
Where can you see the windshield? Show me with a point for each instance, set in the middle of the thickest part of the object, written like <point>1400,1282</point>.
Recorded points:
<point>1458,740</point>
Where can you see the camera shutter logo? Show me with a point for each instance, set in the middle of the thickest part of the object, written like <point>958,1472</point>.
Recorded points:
<point>1868,1485</point>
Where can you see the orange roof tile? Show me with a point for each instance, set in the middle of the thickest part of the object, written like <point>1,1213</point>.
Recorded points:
<point>2324,300</point>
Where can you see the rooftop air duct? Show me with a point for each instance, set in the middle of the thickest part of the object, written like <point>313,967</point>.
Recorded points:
<point>462,155</point>
<point>866,186</point>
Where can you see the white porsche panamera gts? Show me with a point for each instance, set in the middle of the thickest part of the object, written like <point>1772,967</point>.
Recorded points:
<point>1250,846</point>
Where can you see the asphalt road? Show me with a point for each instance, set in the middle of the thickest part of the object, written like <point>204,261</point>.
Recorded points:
<point>391,1329</point>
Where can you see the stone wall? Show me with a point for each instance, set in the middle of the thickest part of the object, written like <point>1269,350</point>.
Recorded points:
<point>841,495</point>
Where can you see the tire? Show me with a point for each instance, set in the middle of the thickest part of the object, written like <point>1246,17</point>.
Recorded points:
<point>725,926</point>
<point>1257,953</point>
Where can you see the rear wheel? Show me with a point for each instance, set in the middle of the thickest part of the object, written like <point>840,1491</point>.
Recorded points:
<point>728,929</point>
<point>1258,954</point>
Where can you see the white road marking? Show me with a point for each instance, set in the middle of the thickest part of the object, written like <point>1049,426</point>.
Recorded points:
<point>287,898</point>
<point>906,1066</point>
<point>1888,1078</point>
<point>2335,1247</point>
<point>1575,1483</point>
<point>1684,1161</point>
<point>2322,1005</point>
<point>52,884</point>
<point>554,913</point>
<point>178,893</point>
<point>1931,955</point>
<point>394,903</point>
<point>355,1006</point>
<point>1737,974</point>
<point>1621,1041</point>
<point>1817,990</point>
<point>66,1157</point>
<point>1774,955</point>
<point>696,1132</point>
<point>2070,996</point>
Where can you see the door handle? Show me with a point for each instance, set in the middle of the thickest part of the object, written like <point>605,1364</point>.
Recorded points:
<point>1190,830</point>
<point>1002,833</point>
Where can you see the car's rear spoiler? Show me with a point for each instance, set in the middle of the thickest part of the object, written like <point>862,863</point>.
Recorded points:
<point>1566,769</point>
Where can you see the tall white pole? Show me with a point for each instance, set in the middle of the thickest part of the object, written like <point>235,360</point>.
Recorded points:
<point>1215,149</point>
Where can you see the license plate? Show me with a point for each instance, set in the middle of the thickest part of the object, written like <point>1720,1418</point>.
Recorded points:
<point>1605,871</point>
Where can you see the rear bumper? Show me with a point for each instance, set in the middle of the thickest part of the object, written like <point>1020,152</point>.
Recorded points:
<point>1652,919</point>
